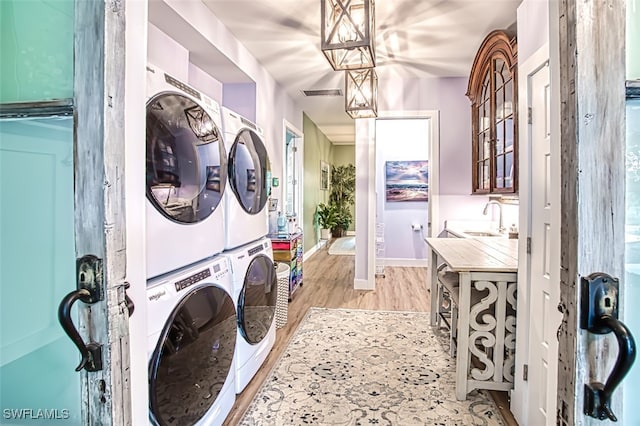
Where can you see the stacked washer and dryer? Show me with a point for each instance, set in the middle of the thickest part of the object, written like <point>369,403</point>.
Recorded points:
<point>211,314</point>
<point>246,245</point>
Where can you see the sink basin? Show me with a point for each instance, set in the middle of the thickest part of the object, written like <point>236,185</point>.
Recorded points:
<point>482,234</point>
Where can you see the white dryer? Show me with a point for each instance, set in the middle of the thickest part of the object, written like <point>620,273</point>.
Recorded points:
<point>186,175</point>
<point>192,331</point>
<point>249,181</point>
<point>255,291</point>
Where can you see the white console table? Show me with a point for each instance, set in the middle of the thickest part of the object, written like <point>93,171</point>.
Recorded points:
<point>486,330</point>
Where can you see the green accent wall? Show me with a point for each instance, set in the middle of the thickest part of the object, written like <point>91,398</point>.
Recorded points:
<point>344,154</point>
<point>316,148</point>
<point>36,50</point>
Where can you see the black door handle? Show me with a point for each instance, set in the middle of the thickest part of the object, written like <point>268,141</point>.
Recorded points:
<point>89,276</point>
<point>597,395</point>
<point>599,315</point>
<point>92,353</point>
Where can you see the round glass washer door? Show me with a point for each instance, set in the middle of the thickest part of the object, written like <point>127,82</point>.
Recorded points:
<point>186,159</point>
<point>257,300</point>
<point>249,171</point>
<point>193,357</point>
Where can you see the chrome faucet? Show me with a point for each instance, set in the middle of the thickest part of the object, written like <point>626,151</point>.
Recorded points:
<point>501,227</point>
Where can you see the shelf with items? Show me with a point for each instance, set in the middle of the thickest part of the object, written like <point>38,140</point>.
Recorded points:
<point>289,249</point>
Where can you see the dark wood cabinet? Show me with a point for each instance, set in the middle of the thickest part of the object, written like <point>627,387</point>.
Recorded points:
<point>493,91</point>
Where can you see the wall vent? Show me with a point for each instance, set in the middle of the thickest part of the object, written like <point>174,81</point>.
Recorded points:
<point>323,92</point>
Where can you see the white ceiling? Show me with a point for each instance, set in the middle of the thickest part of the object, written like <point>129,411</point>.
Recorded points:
<point>414,39</point>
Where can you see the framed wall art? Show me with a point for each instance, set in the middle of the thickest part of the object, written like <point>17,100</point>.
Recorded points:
<point>324,175</point>
<point>407,180</point>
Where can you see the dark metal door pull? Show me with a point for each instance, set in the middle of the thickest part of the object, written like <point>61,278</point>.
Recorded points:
<point>598,396</point>
<point>599,315</point>
<point>89,273</point>
<point>92,353</point>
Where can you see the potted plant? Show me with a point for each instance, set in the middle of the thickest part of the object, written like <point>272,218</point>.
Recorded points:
<point>327,219</point>
<point>343,221</point>
<point>342,196</point>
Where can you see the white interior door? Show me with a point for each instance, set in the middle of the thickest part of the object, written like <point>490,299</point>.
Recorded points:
<point>544,317</point>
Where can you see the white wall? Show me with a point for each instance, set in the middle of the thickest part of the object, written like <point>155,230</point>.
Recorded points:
<point>533,27</point>
<point>166,53</point>
<point>200,80</point>
<point>401,140</point>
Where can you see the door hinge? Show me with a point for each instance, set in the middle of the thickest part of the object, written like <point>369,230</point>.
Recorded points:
<point>529,115</point>
<point>528,245</point>
<point>525,372</point>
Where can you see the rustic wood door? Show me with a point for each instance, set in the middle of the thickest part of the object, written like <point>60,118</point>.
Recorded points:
<point>591,83</point>
<point>61,174</point>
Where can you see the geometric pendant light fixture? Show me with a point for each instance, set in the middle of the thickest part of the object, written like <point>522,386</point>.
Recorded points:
<point>361,93</point>
<point>348,33</point>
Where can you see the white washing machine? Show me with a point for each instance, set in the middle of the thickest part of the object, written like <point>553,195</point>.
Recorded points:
<point>192,333</point>
<point>186,175</point>
<point>255,292</point>
<point>249,181</point>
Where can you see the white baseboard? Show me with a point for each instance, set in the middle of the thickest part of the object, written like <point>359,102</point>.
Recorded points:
<point>410,263</point>
<point>359,284</point>
<point>350,233</point>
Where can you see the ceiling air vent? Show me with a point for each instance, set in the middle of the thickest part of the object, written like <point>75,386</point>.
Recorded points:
<point>323,92</point>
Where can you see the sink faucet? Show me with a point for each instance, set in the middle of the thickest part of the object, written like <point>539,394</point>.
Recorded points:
<point>501,227</point>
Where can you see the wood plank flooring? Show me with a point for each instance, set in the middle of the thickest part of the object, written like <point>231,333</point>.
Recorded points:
<point>328,283</point>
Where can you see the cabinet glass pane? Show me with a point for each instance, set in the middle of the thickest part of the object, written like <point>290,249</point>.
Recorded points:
<point>508,170</point>
<point>508,134</point>
<point>483,146</point>
<point>486,87</point>
<point>484,116</point>
<point>500,138</point>
<point>499,172</point>
<point>499,67</point>
<point>484,183</point>
<point>499,104</point>
<point>36,50</point>
<point>508,98</point>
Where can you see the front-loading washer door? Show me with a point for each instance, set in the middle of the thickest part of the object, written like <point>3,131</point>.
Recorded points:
<point>249,171</point>
<point>257,300</point>
<point>193,357</point>
<point>186,159</point>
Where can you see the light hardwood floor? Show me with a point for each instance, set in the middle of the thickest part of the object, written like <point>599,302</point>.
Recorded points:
<point>328,283</point>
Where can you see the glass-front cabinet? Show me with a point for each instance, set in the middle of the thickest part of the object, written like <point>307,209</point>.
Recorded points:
<point>493,93</point>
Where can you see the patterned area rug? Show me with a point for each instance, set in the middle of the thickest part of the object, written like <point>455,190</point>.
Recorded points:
<point>356,367</point>
<point>343,246</point>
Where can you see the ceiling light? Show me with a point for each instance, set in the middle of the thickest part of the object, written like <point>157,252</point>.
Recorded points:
<point>361,89</point>
<point>348,33</point>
